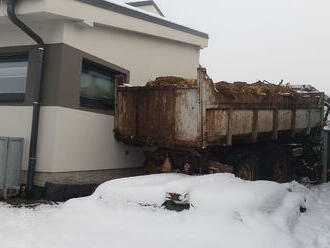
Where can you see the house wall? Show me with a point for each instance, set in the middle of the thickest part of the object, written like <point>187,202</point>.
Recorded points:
<point>100,12</point>
<point>71,138</point>
<point>75,141</point>
<point>50,31</point>
<point>146,57</point>
<point>81,141</point>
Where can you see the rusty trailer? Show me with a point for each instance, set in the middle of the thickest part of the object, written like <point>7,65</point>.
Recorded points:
<point>194,128</point>
<point>198,116</point>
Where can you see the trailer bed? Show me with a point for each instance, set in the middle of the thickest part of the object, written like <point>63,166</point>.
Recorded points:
<point>198,116</point>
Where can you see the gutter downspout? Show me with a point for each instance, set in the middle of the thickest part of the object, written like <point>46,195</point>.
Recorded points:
<point>36,98</point>
<point>327,104</point>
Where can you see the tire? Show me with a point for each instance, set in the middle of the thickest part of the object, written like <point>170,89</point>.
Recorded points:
<point>247,169</point>
<point>245,165</point>
<point>275,167</point>
<point>281,171</point>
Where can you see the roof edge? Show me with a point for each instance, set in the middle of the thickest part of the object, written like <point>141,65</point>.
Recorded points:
<point>146,3</point>
<point>143,16</point>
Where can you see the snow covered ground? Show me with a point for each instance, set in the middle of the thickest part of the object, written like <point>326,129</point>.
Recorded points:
<point>227,212</point>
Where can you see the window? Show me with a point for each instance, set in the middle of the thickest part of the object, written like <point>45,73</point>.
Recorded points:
<point>97,87</point>
<point>13,73</point>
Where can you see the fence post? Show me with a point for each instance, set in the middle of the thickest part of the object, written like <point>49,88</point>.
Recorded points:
<point>325,156</point>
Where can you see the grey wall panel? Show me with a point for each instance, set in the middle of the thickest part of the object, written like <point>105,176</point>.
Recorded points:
<point>11,153</point>
<point>3,160</point>
<point>14,163</point>
<point>61,76</point>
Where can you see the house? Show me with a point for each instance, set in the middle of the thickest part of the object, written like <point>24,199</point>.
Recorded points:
<point>87,43</point>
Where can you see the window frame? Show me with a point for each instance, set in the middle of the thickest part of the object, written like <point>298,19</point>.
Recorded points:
<point>15,57</point>
<point>102,69</point>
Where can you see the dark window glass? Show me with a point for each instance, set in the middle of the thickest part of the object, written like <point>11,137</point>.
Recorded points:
<point>97,87</point>
<point>13,73</point>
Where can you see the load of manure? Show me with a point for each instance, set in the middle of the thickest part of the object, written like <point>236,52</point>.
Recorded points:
<point>232,90</point>
<point>171,81</point>
<point>259,88</point>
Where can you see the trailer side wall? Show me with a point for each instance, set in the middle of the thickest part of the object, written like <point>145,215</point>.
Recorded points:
<point>200,116</point>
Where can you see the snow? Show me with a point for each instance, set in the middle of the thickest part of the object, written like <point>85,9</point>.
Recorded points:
<point>137,9</point>
<point>146,12</point>
<point>226,212</point>
<point>313,228</point>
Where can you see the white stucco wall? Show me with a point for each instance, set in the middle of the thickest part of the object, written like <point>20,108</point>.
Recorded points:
<point>35,11</point>
<point>16,122</point>
<point>50,31</point>
<point>69,139</point>
<point>146,57</point>
<point>73,140</point>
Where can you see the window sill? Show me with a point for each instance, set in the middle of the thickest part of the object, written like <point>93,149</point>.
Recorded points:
<point>12,97</point>
<point>96,104</point>
<point>96,110</point>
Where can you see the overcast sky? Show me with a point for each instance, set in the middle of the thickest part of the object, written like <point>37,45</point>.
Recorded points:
<point>261,39</point>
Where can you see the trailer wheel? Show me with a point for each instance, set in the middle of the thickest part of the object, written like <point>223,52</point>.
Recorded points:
<point>280,171</point>
<point>275,167</point>
<point>246,169</point>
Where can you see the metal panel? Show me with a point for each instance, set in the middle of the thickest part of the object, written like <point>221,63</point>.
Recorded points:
<point>328,150</point>
<point>165,121</point>
<point>198,115</point>
<point>155,115</point>
<point>217,124</point>
<point>3,160</point>
<point>284,119</point>
<point>265,121</point>
<point>325,156</point>
<point>127,118</point>
<point>302,118</point>
<point>14,163</point>
<point>316,117</point>
<point>11,153</point>
<point>186,111</point>
<point>242,122</point>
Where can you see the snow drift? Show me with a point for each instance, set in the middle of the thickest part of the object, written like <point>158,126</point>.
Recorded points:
<point>226,212</point>
<point>215,192</point>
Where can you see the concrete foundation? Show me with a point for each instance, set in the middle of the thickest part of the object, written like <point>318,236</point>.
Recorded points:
<point>81,177</point>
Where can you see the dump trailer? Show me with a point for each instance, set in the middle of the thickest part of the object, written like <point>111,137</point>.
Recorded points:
<point>196,129</point>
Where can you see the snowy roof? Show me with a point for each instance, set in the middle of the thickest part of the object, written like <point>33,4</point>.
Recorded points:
<point>135,12</point>
<point>146,3</point>
<point>109,14</point>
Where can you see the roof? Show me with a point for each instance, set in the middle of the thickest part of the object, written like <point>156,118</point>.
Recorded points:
<point>107,14</point>
<point>146,3</point>
<point>143,15</point>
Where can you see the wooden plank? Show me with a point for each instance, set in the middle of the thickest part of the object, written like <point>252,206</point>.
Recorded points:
<point>230,126</point>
